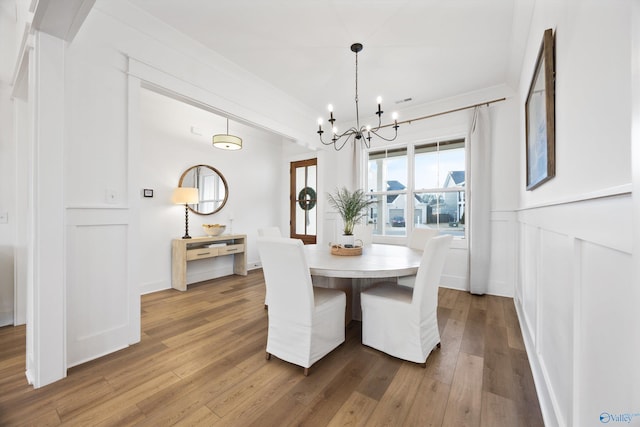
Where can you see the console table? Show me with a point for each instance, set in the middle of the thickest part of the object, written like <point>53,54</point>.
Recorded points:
<point>185,250</point>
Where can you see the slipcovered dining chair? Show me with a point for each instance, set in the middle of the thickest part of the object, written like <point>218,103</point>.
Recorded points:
<point>271,231</point>
<point>401,321</point>
<point>364,233</point>
<point>305,323</point>
<point>418,240</point>
<point>420,236</point>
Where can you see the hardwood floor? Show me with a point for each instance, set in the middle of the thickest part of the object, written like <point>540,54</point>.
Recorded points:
<point>201,361</point>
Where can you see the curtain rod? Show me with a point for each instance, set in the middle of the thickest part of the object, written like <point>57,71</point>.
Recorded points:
<point>445,112</point>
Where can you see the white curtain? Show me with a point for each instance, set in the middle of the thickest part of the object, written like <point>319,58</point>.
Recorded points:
<point>479,203</point>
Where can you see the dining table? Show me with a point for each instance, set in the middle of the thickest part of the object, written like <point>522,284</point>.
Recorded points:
<point>354,273</point>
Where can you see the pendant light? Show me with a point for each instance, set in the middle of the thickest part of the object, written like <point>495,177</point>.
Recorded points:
<point>226,141</point>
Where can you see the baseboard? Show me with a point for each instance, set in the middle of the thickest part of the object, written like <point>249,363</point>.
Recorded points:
<point>454,282</point>
<point>544,395</point>
<point>148,288</point>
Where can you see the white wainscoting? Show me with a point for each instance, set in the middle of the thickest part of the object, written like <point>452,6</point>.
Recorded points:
<point>572,297</point>
<point>99,318</point>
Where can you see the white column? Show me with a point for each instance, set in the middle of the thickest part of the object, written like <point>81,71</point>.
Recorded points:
<point>46,341</point>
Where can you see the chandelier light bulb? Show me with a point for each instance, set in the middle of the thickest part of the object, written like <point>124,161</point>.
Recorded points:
<point>379,100</point>
<point>335,130</point>
<point>394,115</point>
<point>330,108</point>
<point>320,121</point>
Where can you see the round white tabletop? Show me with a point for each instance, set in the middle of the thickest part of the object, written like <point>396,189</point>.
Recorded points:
<point>376,261</point>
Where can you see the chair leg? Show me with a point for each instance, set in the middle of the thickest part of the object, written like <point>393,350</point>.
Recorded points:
<point>438,345</point>
<point>306,372</point>
<point>423,365</point>
<point>268,356</point>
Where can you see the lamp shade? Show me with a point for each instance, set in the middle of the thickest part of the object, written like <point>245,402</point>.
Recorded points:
<point>185,196</point>
<point>227,142</point>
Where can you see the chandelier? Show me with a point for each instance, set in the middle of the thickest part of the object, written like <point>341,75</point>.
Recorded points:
<point>357,132</point>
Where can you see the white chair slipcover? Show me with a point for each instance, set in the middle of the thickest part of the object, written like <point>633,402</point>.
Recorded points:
<point>305,323</point>
<point>420,236</point>
<point>418,240</point>
<point>364,233</point>
<point>402,321</point>
<point>271,231</point>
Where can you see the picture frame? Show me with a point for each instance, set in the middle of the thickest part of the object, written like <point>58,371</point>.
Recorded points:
<point>540,117</point>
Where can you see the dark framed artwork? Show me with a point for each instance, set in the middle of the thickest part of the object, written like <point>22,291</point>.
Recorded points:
<point>540,117</point>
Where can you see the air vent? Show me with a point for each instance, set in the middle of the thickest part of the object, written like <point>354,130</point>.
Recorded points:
<point>402,101</point>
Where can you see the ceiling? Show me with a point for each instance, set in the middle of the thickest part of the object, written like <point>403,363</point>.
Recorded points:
<point>423,50</point>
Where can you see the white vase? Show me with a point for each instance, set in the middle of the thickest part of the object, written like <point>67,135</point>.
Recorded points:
<point>347,239</point>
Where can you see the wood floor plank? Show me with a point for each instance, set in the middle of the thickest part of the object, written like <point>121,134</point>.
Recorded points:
<point>498,377</point>
<point>289,407</point>
<point>474,332</point>
<point>429,405</point>
<point>441,362</point>
<point>524,391</point>
<point>495,310</point>
<point>117,401</point>
<point>203,349</point>
<point>464,404</point>
<point>447,298</point>
<point>498,411</point>
<point>324,407</point>
<point>354,412</point>
<point>200,417</point>
<point>393,407</point>
<point>377,380</point>
<point>268,374</point>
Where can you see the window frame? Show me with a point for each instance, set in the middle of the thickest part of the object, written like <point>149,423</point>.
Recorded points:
<point>410,191</point>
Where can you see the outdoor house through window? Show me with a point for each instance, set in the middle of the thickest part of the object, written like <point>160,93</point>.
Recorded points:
<point>419,186</point>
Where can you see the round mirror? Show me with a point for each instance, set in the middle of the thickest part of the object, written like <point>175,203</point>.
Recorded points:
<point>212,188</point>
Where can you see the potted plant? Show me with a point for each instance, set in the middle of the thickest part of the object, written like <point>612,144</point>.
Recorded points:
<point>351,206</point>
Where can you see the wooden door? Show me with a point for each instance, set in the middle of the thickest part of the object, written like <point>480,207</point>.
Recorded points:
<point>303,200</point>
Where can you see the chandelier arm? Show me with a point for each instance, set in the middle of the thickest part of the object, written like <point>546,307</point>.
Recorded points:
<point>325,143</point>
<point>382,137</point>
<point>338,148</point>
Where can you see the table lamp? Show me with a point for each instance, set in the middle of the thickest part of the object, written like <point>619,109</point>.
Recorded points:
<point>185,196</point>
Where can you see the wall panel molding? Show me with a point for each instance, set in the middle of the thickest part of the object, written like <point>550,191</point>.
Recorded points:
<point>570,259</point>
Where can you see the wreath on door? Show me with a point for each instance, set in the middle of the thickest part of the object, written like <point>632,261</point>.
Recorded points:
<point>307,198</point>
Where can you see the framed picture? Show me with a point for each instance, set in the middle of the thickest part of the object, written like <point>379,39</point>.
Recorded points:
<point>540,117</point>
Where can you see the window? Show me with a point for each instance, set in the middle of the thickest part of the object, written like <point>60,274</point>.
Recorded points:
<point>439,186</point>
<point>386,182</point>
<point>419,186</point>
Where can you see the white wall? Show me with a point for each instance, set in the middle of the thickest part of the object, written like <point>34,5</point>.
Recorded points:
<point>574,282</point>
<point>7,164</point>
<point>169,148</point>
